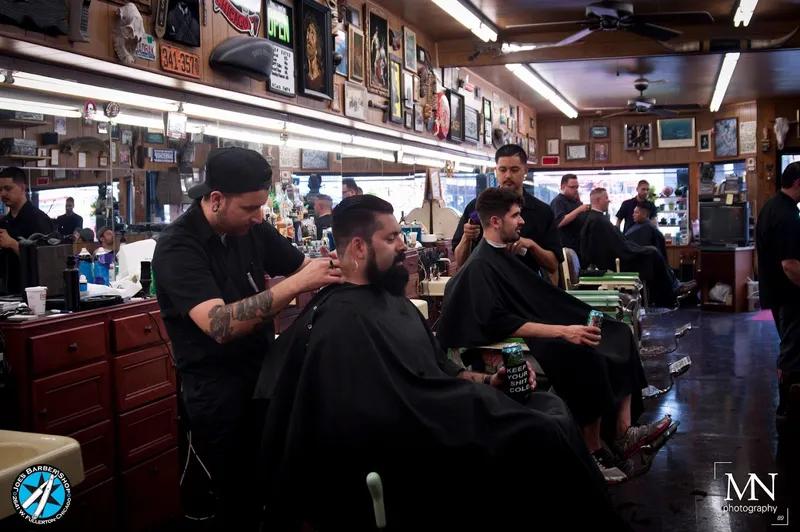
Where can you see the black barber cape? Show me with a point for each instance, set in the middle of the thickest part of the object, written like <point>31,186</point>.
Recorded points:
<point>493,295</point>
<point>358,384</point>
<point>647,234</point>
<point>602,244</point>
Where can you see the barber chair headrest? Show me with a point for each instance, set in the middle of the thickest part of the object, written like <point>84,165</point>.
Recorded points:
<point>573,265</point>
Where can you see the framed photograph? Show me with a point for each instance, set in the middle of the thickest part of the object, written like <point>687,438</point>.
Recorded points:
<point>704,140</point>
<point>313,160</point>
<point>340,45</point>
<point>676,132</point>
<point>456,116</point>
<point>419,119</point>
<point>355,101</point>
<point>102,128</point>
<point>570,132</point>
<point>354,17</point>
<point>395,90</point>
<point>599,132</point>
<point>531,147</point>
<point>450,79</point>
<point>533,124</point>
<point>487,109</point>
<point>487,132</point>
<point>601,152</point>
<point>478,93</point>
<point>552,146</point>
<point>471,128</point>
<point>409,120</point>
<point>377,51</point>
<point>316,56</point>
<point>576,152</point>
<point>356,54</point>
<point>409,50</point>
<point>408,90</point>
<point>415,87</point>
<point>336,102</point>
<point>726,137</point>
<point>183,22</point>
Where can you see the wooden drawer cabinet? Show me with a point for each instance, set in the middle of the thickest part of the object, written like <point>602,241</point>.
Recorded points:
<point>92,510</point>
<point>71,400</point>
<point>142,377</point>
<point>148,431</point>
<point>150,492</point>
<point>59,350</point>
<point>97,451</point>
<point>137,331</point>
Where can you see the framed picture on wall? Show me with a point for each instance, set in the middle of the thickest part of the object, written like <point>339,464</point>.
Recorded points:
<point>409,50</point>
<point>419,119</point>
<point>316,56</point>
<point>353,17</point>
<point>726,137</point>
<point>704,140</point>
<point>599,132</point>
<point>408,90</point>
<point>676,132</point>
<point>456,116</point>
<point>313,160</point>
<point>552,146</point>
<point>395,90</point>
<point>576,152</point>
<point>601,152</point>
<point>409,120</point>
<point>355,101</point>
<point>471,128</point>
<point>340,45</point>
<point>377,50</point>
<point>355,52</point>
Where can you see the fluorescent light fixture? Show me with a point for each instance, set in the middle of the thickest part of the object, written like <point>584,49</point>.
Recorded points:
<point>465,169</point>
<point>725,74</point>
<point>223,115</point>
<point>432,163</point>
<point>355,151</point>
<point>31,106</point>
<point>314,144</point>
<point>130,119</point>
<point>318,132</point>
<point>470,20</point>
<point>510,47</point>
<point>534,81</point>
<point>373,143</point>
<point>745,12</point>
<point>71,88</point>
<point>243,135</point>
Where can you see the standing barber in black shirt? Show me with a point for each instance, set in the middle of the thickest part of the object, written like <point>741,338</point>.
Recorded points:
<point>22,220</point>
<point>210,265</point>
<point>539,245</point>
<point>778,248</point>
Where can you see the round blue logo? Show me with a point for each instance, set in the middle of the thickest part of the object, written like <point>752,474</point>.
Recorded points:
<point>41,494</point>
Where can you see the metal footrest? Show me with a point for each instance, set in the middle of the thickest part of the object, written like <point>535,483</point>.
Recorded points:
<point>676,369</point>
<point>656,350</point>
<point>659,311</point>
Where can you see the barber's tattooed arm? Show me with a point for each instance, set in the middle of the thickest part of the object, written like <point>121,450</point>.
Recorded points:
<point>222,318</point>
<point>473,376</point>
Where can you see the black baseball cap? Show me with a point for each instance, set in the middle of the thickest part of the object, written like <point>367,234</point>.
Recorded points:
<point>234,170</point>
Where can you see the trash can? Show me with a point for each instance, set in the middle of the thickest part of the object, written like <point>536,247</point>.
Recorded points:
<point>753,301</point>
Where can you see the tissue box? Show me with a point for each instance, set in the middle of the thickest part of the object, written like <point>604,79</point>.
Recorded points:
<point>11,146</point>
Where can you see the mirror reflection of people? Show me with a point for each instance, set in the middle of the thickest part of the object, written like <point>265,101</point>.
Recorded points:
<point>569,212</point>
<point>22,220</point>
<point>314,184</point>
<point>105,236</point>
<point>366,387</point>
<point>323,209</point>
<point>211,266</point>
<point>349,187</point>
<point>84,235</point>
<point>645,233</point>
<point>70,220</point>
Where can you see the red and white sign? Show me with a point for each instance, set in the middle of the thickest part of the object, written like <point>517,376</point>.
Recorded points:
<point>238,14</point>
<point>550,160</point>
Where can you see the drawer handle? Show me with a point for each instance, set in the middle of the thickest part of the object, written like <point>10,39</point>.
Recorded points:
<point>148,328</point>
<point>73,347</point>
<point>43,412</point>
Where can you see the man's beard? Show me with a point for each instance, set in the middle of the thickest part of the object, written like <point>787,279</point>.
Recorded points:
<point>510,236</point>
<point>392,280</point>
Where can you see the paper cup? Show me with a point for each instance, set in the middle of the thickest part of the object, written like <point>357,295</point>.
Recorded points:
<point>37,296</point>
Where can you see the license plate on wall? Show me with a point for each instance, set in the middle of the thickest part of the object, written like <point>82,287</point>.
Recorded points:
<point>180,61</point>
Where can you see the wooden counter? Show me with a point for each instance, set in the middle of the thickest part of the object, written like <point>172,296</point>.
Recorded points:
<point>105,378</point>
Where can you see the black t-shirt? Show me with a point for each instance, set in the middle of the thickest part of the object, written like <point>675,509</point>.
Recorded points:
<point>191,264</point>
<point>777,239</point>
<point>323,222</point>
<point>539,226</point>
<point>626,211</point>
<point>29,220</point>
<point>67,223</point>
<point>570,233</point>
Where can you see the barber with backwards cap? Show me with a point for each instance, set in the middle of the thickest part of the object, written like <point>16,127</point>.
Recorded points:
<point>210,265</point>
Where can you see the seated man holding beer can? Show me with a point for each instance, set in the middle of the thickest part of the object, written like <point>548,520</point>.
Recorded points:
<point>358,384</point>
<point>592,362</point>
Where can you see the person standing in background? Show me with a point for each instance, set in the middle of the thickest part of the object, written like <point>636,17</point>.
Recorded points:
<point>778,249</point>
<point>323,219</point>
<point>569,212</point>
<point>70,221</point>
<point>625,211</point>
<point>349,187</point>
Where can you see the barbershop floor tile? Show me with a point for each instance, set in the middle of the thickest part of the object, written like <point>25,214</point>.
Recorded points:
<point>726,404</point>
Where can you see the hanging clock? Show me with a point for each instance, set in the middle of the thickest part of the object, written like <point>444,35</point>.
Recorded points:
<point>638,137</point>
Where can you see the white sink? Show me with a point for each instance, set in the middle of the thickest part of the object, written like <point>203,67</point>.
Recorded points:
<point>20,450</point>
<point>434,288</point>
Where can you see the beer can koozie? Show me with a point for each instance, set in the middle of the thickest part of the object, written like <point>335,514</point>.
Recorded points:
<point>516,372</point>
<point>595,319</point>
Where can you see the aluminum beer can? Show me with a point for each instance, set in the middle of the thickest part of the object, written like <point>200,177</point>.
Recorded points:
<point>516,372</point>
<point>595,319</point>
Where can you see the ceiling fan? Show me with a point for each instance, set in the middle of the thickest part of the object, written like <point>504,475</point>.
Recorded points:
<point>610,16</point>
<point>647,106</point>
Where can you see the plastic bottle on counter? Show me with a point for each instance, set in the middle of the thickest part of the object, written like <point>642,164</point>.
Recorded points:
<point>100,267</point>
<point>72,285</point>
<point>85,264</point>
<point>84,286</point>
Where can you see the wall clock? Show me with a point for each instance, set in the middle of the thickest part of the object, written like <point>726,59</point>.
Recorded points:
<point>638,136</point>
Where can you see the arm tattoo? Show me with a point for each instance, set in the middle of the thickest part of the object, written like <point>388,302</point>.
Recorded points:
<point>472,376</point>
<point>221,317</point>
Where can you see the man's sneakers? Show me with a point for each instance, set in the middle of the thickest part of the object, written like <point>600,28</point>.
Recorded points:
<point>635,437</point>
<point>614,470</point>
<point>687,287</point>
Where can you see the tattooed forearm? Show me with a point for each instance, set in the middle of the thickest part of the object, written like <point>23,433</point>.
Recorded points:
<point>221,318</point>
<point>220,327</point>
<point>472,376</point>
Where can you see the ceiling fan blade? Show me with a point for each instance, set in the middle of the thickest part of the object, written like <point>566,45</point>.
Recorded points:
<point>575,37</point>
<point>615,114</point>
<point>677,17</point>
<point>641,104</point>
<point>547,24</point>
<point>652,31</point>
<point>682,107</point>
<point>601,11</point>
<point>660,111</point>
